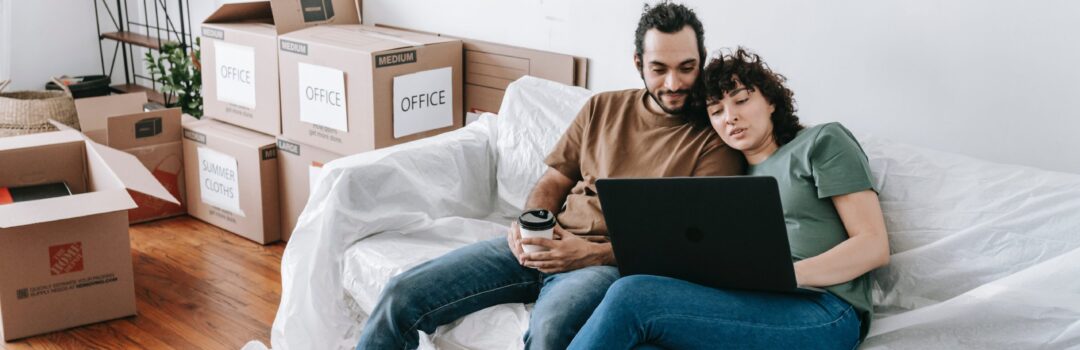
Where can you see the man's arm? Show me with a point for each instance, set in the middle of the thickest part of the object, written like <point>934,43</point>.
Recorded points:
<point>568,253</point>
<point>550,192</point>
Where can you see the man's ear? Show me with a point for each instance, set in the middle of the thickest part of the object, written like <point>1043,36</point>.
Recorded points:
<point>637,62</point>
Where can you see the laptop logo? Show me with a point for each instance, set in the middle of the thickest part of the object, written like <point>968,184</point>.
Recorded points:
<point>694,234</point>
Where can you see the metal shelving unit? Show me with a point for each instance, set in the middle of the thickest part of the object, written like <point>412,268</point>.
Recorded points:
<point>167,26</point>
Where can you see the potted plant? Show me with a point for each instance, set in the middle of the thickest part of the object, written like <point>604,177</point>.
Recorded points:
<point>180,76</point>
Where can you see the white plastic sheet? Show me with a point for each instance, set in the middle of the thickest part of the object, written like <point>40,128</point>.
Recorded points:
<point>984,255</point>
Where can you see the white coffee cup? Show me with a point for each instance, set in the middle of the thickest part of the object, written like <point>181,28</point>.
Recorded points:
<point>538,223</point>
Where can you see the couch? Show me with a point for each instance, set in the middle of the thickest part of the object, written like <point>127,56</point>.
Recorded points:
<point>984,255</point>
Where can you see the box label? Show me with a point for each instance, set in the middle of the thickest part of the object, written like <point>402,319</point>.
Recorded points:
<point>322,96</point>
<point>423,101</point>
<point>195,136</point>
<point>213,33</point>
<point>269,153</point>
<point>292,46</point>
<point>58,287</point>
<point>317,10</point>
<point>289,147</point>
<point>219,182</point>
<point>393,59</point>
<point>314,176</point>
<point>65,258</point>
<point>234,67</point>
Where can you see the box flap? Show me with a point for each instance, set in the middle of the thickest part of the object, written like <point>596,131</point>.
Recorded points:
<point>291,15</point>
<point>259,11</point>
<point>132,173</point>
<point>60,208</point>
<point>94,112</point>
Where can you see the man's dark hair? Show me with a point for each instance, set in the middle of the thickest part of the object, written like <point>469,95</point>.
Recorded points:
<point>669,18</point>
<point>723,74</point>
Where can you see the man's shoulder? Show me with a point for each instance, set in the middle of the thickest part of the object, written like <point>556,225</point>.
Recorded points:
<point>617,96</point>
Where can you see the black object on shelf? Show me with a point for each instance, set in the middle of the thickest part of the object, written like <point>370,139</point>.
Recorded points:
<point>84,85</point>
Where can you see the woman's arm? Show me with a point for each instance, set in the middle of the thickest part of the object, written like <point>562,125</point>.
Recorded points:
<point>866,248</point>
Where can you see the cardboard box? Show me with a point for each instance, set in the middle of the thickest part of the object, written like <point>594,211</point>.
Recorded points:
<point>299,170</point>
<point>240,89</point>
<point>351,88</point>
<point>153,137</point>
<point>491,67</point>
<point>234,177</point>
<point>66,261</point>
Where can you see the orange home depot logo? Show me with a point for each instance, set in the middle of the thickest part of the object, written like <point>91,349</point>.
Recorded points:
<point>65,258</point>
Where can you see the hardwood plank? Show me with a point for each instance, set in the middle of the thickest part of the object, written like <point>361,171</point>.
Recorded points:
<point>196,287</point>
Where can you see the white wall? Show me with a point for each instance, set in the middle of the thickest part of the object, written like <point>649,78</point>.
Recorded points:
<point>998,80</point>
<point>49,38</point>
<point>5,39</point>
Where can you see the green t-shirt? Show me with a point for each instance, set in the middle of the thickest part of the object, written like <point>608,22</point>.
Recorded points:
<point>821,162</point>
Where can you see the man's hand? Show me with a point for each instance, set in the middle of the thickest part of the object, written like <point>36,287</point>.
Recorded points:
<point>514,240</point>
<point>566,254</point>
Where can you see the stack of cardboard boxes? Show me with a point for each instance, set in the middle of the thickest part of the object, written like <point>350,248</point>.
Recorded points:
<point>289,88</point>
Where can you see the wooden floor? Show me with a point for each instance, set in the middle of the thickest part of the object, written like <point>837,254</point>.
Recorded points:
<point>197,287</point>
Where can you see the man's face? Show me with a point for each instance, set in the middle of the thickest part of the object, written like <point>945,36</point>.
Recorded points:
<point>669,66</point>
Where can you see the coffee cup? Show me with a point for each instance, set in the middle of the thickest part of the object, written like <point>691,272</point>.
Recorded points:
<point>539,223</point>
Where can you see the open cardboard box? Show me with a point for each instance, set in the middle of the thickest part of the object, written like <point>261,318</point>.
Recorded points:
<point>66,261</point>
<point>118,121</point>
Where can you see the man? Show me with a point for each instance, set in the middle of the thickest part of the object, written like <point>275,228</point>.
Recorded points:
<point>651,132</point>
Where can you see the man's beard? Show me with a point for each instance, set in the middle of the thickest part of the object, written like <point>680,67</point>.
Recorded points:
<point>678,111</point>
<point>688,97</point>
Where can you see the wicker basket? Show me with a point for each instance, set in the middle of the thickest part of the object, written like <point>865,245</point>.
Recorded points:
<point>28,112</point>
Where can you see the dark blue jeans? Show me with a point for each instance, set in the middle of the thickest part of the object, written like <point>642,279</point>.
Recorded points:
<point>478,276</point>
<point>650,311</point>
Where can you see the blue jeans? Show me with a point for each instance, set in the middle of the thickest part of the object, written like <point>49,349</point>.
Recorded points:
<point>643,311</point>
<point>475,277</point>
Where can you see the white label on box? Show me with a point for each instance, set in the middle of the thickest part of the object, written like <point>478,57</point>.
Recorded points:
<point>322,96</point>
<point>314,176</point>
<point>235,73</point>
<point>423,101</point>
<point>219,180</point>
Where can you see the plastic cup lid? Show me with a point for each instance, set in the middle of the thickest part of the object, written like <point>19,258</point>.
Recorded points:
<point>537,219</point>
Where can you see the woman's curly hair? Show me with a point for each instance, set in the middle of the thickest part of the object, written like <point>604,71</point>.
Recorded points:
<point>723,73</point>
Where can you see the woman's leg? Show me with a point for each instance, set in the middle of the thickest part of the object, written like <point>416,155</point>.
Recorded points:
<point>676,314</point>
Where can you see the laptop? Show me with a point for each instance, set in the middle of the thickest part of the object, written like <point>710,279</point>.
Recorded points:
<point>721,232</point>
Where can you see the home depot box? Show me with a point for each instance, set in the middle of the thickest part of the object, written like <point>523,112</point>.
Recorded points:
<point>66,261</point>
<point>233,172</point>
<point>299,170</point>
<point>352,88</point>
<point>153,137</point>
<point>240,89</point>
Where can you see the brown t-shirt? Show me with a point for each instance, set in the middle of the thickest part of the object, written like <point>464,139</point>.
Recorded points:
<point>615,136</point>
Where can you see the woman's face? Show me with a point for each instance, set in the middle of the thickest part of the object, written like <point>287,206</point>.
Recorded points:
<point>743,119</point>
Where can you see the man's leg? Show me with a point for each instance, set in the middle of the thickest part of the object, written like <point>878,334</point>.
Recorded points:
<point>565,303</point>
<point>442,290</point>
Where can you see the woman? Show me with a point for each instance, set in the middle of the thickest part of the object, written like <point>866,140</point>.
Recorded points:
<point>834,223</point>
